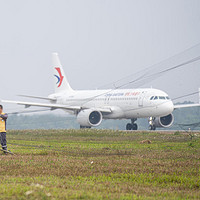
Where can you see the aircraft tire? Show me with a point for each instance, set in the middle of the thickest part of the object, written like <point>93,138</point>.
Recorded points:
<point>134,126</point>
<point>129,126</point>
<point>152,127</point>
<point>82,127</point>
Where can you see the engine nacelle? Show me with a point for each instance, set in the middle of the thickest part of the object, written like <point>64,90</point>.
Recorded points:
<point>89,117</point>
<point>164,122</point>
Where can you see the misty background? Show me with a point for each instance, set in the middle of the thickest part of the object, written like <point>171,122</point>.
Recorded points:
<point>99,42</point>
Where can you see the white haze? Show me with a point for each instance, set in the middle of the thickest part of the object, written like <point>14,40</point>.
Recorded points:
<point>98,41</point>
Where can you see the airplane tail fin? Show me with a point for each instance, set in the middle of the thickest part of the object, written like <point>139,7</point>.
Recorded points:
<point>61,83</point>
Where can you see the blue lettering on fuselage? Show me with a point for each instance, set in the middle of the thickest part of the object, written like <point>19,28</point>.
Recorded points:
<point>114,94</point>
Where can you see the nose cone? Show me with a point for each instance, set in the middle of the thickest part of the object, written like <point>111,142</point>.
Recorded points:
<point>167,107</point>
<point>171,106</point>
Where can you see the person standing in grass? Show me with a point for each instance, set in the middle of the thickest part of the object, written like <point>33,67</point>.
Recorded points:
<point>3,118</point>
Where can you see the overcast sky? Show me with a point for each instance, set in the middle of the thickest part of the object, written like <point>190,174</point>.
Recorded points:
<point>98,41</point>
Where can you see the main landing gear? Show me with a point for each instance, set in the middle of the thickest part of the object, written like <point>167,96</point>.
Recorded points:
<point>132,125</point>
<point>84,127</point>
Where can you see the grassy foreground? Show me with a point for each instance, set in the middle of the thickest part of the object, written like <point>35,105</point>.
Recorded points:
<point>100,164</point>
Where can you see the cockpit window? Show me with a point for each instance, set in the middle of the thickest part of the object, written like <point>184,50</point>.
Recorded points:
<point>152,98</point>
<point>159,97</point>
<point>155,97</point>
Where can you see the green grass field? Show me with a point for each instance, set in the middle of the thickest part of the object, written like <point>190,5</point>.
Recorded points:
<point>100,164</point>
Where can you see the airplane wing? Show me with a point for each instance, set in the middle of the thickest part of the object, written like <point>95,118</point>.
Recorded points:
<point>55,106</point>
<point>186,105</point>
<point>47,105</point>
<point>37,97</point>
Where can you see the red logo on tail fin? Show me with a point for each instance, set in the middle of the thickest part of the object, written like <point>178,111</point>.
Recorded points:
<point>60,77</point>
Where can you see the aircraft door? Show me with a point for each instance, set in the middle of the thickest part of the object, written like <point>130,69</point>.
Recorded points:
<point>107,98</point>
<point>141,100</point>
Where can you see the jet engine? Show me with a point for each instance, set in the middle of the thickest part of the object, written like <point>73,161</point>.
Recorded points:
<point>164,122</point>
<point>89,117</point>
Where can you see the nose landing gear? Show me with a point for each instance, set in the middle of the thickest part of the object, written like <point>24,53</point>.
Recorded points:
<point>152,127</point>
<point>132,125</point>
<point>151,123</point>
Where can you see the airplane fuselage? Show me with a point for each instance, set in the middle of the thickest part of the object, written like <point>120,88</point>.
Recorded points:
<point>124,103</point>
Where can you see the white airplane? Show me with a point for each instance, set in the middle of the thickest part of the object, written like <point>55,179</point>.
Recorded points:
<point>92,106</point>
